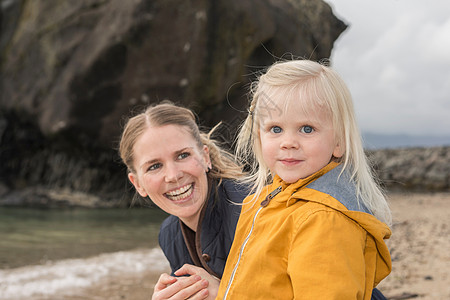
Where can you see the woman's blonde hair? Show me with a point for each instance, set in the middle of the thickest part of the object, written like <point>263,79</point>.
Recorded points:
<point>166,113</point>
<point>321,87</point>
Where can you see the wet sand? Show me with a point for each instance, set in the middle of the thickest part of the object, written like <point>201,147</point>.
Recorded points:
<point>419,247</point>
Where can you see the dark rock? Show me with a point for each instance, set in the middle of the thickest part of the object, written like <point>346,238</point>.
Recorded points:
<point>34,163</point>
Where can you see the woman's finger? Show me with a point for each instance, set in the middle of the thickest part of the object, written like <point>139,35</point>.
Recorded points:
<point>188,269</point>
<point>177,290</point>
<point>163,281</point>
<point>196,290</point>
<point>200,295</point>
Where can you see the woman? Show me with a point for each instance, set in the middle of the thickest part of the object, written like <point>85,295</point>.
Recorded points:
<point>185,173</point>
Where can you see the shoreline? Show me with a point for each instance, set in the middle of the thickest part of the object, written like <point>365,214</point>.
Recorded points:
<point>85,278</point>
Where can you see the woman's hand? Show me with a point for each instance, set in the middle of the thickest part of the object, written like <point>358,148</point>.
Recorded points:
<point>190,287</point>
<point>213,282</point>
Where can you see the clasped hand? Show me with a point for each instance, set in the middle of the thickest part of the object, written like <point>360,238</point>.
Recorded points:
<point>196,283</point>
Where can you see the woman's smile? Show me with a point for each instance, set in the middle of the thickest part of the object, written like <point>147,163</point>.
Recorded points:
<point>181,193</point>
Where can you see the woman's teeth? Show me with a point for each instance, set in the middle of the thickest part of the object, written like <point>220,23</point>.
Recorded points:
<point>180,193</point>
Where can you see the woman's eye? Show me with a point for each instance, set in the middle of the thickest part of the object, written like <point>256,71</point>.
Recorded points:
<point>275,129</point>
<point>154,167</point>
<point>306,129</point>
<point>183,155</point>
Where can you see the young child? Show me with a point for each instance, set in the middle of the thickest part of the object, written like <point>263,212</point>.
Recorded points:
<point>314,227</point>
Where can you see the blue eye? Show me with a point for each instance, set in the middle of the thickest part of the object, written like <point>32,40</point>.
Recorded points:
<point>275,129</point>
<point>154,167</point>
<point>183,155</point>
<point>306,129</point>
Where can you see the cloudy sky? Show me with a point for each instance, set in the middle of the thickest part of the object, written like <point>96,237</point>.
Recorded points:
<point>395,58</point>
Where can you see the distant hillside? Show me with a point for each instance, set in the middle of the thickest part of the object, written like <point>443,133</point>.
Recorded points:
<point>380,141</point>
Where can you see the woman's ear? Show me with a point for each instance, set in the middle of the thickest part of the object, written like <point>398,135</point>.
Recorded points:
<point>135,181</point>
<point>207,157</point>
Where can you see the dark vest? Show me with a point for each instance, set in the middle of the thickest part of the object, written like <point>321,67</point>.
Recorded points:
<point>209,246</point>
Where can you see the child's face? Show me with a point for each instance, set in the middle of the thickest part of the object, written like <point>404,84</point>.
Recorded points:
<point>295,144</point>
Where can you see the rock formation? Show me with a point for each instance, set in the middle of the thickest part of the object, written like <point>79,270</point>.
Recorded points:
<point>413,169</point>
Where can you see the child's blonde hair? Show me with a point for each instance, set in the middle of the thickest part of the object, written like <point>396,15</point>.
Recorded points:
<point>321,87</point>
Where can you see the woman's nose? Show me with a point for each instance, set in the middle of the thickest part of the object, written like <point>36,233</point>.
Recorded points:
<point>173,173</point>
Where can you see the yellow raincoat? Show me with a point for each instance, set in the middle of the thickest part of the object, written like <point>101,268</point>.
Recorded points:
<point>311,241</point>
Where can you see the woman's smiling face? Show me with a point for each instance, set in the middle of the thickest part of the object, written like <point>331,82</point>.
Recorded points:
<point>171,170</point>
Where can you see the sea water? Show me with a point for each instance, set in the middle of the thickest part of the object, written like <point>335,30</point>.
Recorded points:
<point>43,251</point>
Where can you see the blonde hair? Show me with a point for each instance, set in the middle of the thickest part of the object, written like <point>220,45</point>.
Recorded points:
<point>321,86</point>
<point>166,113</point>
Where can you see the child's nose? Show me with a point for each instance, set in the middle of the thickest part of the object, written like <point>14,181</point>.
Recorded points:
<point>290,141</point>
<point>173,173</point>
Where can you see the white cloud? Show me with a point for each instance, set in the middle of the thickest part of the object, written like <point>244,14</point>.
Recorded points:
<point>435,39</point>
<point>395,57</point>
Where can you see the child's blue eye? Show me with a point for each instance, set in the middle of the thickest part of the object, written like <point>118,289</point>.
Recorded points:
<point>275,129</point>
<point>306,129</point>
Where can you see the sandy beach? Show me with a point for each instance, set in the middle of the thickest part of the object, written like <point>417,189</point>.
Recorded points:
<point>419,248</point>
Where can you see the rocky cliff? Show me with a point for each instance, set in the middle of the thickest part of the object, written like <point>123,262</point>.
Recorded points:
<point>71,71</point>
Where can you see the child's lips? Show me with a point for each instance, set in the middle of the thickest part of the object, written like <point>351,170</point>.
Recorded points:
<point>290,161</point>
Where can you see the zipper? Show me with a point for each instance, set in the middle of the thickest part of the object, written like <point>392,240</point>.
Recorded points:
<point>240,254</point>
<point>269,197</point>
<point>264,203</point>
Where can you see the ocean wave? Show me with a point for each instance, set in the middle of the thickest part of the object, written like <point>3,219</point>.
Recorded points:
<point>71,274</point>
